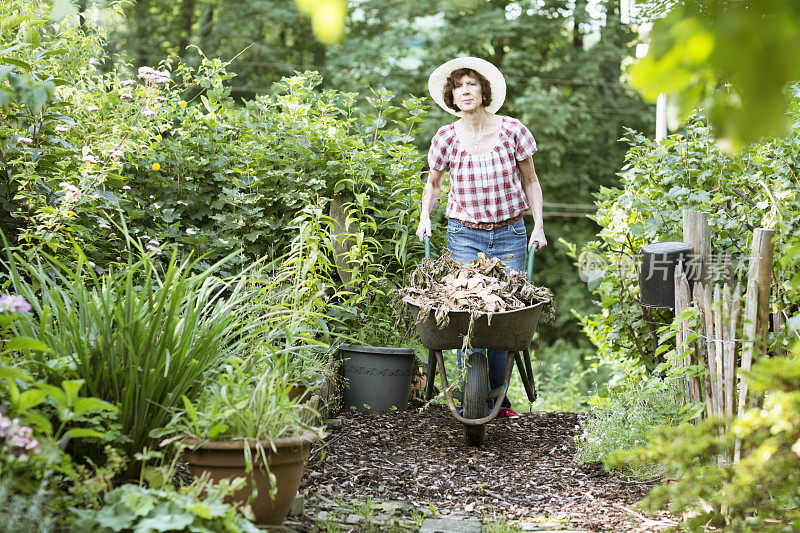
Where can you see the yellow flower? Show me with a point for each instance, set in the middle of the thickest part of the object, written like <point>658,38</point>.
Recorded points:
<point>158,138</point>
<point>183,103</point>
<point>156,166</point>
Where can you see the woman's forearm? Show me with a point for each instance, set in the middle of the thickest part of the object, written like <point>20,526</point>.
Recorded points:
<point>429,196</point>
<point>431,193</point>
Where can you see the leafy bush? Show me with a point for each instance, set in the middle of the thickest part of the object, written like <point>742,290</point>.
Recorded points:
<point>208,175</point>
<point>624,415</point>
<point>66,132</point>
<point>758,188</point>
<point>139,338</point>
<point>759,492</point>
<point>131,508</point>
<point>26,512</point>
<point>234,178</point>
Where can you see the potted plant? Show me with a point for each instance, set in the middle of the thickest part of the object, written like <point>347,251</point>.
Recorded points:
<point>379,362</point>
<point>247,424</point>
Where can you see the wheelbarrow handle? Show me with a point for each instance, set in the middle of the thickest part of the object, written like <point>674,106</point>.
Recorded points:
<point>531,251</point>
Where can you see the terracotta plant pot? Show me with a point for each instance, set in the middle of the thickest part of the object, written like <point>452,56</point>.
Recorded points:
<point>225,460</point>
<point>299,390</point>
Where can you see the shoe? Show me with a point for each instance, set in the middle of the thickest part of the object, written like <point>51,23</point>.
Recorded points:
<point>507,412</point>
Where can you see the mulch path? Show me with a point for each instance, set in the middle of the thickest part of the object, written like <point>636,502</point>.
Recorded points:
<point>525,469</point>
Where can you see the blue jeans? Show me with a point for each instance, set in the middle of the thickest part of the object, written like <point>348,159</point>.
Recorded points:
<point>509,243</point>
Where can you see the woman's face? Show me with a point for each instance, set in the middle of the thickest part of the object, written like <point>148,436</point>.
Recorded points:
<point>467,93</point>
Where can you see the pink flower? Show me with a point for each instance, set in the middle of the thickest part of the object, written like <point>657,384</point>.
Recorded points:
<point>126,187</point>
<point>126,83</point>
<point>116,154</point>
<point>125,95</point>
<point>62,128</point>
<point>24,140</point>
<point>89,158</point>
<point>71,192</point>
<point>92,109</point>
<point>161,99</point>
<point>146,72</point>
<point>151,75</point>
<point>148,112</point>
<point>12,303</point>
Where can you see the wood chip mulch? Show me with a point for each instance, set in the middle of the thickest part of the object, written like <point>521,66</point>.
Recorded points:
<point>524,470</point>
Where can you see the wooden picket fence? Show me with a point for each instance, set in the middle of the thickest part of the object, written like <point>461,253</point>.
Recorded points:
<point>718,343</point>
<point>731,329</point>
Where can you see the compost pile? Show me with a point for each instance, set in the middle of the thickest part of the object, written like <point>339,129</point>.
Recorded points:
<point>480,287</point>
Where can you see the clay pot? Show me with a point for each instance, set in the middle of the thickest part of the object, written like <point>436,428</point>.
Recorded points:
<point>225,459</point>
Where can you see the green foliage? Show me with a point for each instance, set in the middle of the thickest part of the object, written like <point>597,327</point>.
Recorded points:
<point>26,512</point>
<point>241,405</point>
<point>733,58</point>
<point>65,134</point>
<point>756,493</point>
<point>138,337</point>
<point>624,414</point>
<point>131,508</point>
<point>236,179</point>
<point>757,188</point>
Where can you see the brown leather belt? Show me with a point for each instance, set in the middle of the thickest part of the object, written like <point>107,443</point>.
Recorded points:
<point>488,225</point>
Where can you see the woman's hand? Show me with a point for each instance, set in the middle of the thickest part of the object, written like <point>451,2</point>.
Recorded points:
<point>537,235</point>
<point>424,227</point>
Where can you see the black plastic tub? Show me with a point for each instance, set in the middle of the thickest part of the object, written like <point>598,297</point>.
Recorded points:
<point>657,271</point>
<point>376,378</point>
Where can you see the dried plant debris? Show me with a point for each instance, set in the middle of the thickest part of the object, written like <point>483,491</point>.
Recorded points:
<point>480,287</point>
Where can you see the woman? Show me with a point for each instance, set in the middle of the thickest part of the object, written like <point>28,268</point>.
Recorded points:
<point>492,177</point>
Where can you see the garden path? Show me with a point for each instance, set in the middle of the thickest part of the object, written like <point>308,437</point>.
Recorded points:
<point>524,474</point>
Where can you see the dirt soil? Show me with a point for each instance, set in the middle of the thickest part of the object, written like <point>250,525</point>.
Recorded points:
<point>525,470</point>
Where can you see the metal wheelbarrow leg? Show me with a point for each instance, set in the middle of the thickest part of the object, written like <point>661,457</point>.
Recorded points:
<point>430,376</point>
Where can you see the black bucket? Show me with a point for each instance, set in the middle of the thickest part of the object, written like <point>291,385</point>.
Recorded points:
<point>657,271</point>
<point>376,378</point>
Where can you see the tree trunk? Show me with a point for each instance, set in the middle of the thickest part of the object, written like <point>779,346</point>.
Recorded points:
<point>342,240</point>
<point>186,16</point>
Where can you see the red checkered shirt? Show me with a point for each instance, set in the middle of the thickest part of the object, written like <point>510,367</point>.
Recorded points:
<point>487,187</point>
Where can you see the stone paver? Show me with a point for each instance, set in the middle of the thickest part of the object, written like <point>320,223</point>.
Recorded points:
<point>450,525</point>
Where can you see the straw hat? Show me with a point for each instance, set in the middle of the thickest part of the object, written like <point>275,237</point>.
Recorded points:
<point>438,78</point>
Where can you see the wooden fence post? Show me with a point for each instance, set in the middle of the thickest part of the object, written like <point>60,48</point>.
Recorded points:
<point>696,233</point>
<point>760,271</point>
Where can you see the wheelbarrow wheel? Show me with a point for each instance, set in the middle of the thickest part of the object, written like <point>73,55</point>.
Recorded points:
<point>476,391</point>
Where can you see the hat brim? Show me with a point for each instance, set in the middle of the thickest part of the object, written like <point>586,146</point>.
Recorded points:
<point>438,79</point>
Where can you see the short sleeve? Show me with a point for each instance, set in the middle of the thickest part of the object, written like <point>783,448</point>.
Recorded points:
<point>438,155</point>
<point>526,144</point>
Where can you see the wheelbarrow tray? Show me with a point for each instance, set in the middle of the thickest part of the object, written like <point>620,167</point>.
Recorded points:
<point>509,330</point>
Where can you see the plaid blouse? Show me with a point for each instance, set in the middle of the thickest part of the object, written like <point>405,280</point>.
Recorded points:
<point>487,187</point>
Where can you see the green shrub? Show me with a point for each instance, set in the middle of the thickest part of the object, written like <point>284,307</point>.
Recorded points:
<point>209,175</point>
<point>624,415</point>
<point>138,337</point>
<point>757,493</point>
<point>757,188</point>
<point>131,508</point>
<point>67,133</point>
<point>31,513</point>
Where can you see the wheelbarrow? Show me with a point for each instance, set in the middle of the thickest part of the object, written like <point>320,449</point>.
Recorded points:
<point>510,330</point>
